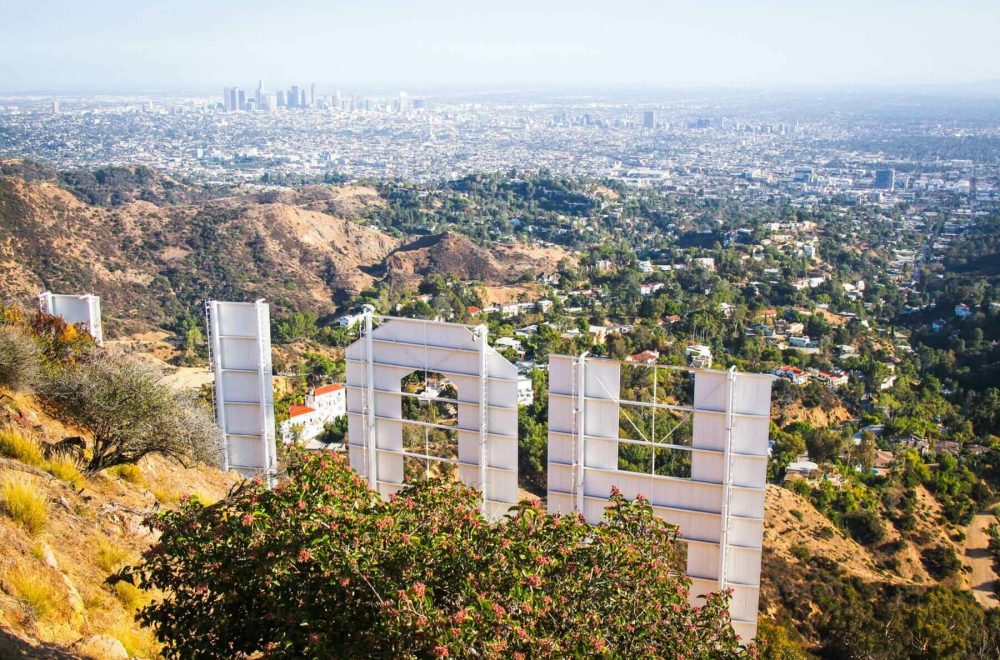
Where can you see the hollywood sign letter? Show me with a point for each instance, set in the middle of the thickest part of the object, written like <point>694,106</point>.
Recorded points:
<point>426,397</point>
<point>710,484</point>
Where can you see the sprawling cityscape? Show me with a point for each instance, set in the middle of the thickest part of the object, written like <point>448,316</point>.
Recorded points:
<point>500,330</point>
<point>754,145</point>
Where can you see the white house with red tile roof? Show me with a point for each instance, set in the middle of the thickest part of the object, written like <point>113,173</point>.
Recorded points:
<point>793,374</point>
<point>323,404</point>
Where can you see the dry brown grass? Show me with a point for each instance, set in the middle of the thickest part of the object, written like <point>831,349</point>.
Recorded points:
<point>65,469</point>
<point>24,503</point>
<point>20,447</point>
<point>138,642</point>
<point>128,472</point>
<point>131,596</point>
<point>110,557</point>
<point>34,588</point>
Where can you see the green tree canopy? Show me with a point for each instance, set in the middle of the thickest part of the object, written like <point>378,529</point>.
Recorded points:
<point>321,566</point>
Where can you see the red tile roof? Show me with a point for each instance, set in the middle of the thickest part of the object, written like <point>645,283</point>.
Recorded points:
<point>295,411</point>
<point>326,389</point>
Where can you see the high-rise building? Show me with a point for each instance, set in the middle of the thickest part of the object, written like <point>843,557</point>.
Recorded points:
<point>338,101</point>
<point>55,107</point>
<point>280,101</point>
<point>404,102</point>
<point>241,99</point>
<point>885,179</point>
<point>293,97</point>
<point>259,97</point>
<point>302,98</point>
<point>312,95</point>
<point>649,119</point>
<point>225,99</point>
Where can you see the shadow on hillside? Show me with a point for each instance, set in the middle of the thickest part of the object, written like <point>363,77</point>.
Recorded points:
<point>12,647</point>
<point>989,586</point>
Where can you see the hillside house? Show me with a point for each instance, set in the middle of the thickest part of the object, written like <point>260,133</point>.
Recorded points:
<point>322,405</point>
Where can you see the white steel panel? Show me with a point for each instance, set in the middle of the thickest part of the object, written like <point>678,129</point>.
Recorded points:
<point>85,309</point>
<point>601,417</point>
<point>560,374</point>
<point>240,351</point>
<point>486,430</point>
<point>718,511</point>
<point>241,386</point>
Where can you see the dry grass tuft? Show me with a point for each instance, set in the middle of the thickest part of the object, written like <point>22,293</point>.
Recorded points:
<point>110,557</point>
<point>35,589</point>
<point>128,472</point>
<point>15,444</point>
<point>20,447</point>
<point>65,469</point>
<point>139,642</point>
<point>25,504</point>
<point>206,498</point>
<point>165,495</point>
<point>131,596</point>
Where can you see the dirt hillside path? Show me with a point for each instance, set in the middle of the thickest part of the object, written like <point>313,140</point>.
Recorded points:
<point>978,556</point>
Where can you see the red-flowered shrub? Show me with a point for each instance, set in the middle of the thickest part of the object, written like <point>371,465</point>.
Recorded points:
<point>322,567</point>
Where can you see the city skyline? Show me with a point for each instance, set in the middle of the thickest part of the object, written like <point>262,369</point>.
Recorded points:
<point>115,45</point>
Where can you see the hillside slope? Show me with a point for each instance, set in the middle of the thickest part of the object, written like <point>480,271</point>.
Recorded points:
<point>55,597</point>
<point>153,256</point>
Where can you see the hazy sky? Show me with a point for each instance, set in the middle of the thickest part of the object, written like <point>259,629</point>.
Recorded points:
<point>114,44</point>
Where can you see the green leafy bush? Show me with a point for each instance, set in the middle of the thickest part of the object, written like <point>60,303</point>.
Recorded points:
<point>321,566</point>
<point>941,561</point>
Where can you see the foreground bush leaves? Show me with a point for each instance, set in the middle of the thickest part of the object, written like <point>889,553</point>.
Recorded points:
<point>322,567</point>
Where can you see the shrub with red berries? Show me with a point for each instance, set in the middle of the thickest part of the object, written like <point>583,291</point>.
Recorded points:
<point>321,566</point>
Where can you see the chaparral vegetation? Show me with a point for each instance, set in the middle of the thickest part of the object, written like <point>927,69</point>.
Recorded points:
<point>321,566</point>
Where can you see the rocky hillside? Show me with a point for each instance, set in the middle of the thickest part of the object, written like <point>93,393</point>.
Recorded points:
<point>153,248</point>
<point>451,253</point>
<point>56,599</point>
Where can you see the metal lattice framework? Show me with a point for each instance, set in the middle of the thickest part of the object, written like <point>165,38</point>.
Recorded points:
<point>240,353</point>
<point>718,504</point>
<point>390,349</point>
<point>85,309</point>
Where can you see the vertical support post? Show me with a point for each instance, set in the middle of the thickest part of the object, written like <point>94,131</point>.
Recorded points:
<point>369,405</point>
<point>484,454</point>
<point>94,324</point>
<point>264,377</point>
<point>580,453</point>
<point>727,479</point>
<point>215,359</point>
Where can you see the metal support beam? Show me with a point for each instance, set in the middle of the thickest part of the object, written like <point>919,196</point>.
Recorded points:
<point>215,359</point>
<point>270,460</point>
<point>727,480</point>
<point>580,422</point>
<point>369,399</point>
<point>482,333</point>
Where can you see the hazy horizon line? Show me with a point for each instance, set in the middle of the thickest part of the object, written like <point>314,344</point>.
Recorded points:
<point>989,86</point>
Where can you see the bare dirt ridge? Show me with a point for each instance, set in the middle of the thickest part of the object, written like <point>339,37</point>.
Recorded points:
<point>302,249</point>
